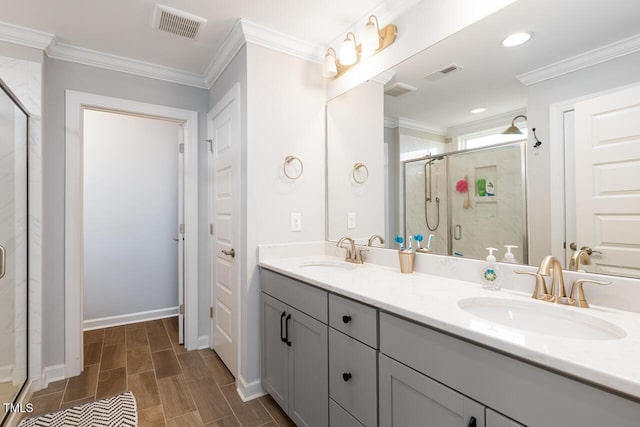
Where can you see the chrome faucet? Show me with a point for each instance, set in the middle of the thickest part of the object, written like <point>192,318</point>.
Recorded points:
<point>558,291</point>
<point>579,257</point>
<point>373,238</point>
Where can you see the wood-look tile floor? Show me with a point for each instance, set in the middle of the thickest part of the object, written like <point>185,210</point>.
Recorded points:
<point>172,386</point>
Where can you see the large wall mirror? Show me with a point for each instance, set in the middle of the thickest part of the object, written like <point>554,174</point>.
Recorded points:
<point>443,144</point>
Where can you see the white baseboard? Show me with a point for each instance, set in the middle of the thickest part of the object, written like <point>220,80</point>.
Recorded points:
<point>51,374</point>
<point>203,341</point>
<point>6,374</point>
<point>249,391</point>
<point>124,319</point>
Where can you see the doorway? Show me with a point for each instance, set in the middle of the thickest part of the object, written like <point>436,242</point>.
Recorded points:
<point>132,204</point>
<point>79,105</point>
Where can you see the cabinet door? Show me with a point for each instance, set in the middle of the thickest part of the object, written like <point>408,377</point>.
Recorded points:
<point>494,419</point>
<point>308,371</point>
<point>408,398</point>
<point>275,371</point>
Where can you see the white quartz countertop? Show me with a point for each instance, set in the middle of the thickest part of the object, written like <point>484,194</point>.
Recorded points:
<point>433,301</point>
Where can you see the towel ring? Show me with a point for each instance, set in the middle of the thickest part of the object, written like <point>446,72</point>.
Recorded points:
<point>356,167</point>
<point>287,161</point>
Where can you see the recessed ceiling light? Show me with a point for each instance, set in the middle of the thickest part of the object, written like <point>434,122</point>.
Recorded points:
<point>478,110</point>
<point>516,39</point>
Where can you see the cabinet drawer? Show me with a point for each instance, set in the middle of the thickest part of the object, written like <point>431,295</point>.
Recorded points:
<point>338,417</point>
<point>354,319</point>
<point>353,377</point>
<point>306,298</point>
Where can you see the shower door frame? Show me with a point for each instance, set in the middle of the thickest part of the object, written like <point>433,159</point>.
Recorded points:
<point>523,159</point>
<point>16,101</point>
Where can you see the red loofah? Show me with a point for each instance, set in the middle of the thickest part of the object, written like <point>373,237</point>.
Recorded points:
<point>462,186</point>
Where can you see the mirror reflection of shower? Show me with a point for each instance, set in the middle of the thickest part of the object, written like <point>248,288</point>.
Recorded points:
<point>428,190</point>
<point>468,200</point>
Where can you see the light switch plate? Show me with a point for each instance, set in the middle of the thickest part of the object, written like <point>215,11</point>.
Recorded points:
<point>351,220</point>
<point>296,221</point>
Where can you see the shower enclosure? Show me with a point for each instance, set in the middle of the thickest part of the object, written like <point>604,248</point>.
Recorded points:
<point>469,200</point>
<point>13,247</point>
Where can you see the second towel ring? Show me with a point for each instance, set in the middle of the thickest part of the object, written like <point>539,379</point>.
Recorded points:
<point>287,161</point>
<point>356,168</point>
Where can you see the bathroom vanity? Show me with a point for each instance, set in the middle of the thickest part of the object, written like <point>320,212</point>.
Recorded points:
<point>347,345</point>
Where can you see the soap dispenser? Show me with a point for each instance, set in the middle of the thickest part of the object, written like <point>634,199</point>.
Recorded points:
<point>509,257</point>
<point>490,273</point>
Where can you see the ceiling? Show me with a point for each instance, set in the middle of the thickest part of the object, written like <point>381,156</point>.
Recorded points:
<point>123,27</point>
<point>561,29</point>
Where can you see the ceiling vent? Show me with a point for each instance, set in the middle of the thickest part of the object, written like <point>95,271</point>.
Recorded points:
<point>446,71</point>
<point>399,89</point>
<point>177,22</point>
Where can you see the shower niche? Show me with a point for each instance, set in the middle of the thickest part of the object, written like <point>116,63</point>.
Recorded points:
<point>469,200</point>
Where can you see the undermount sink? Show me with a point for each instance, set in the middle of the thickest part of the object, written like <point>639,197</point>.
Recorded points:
<point>537,317</point>
<point>322,265</point>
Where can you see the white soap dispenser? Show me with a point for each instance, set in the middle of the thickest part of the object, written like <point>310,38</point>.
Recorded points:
<point>490,273</point>
<point>509,257</point>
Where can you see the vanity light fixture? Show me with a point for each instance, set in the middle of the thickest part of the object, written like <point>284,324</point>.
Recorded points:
<point>348,54</point>
<point>478,110</point>
<point>513,129</point>
<point>516,39</point>
<point>329,67</point>
<point>374,41</point>
<point>371,38</point>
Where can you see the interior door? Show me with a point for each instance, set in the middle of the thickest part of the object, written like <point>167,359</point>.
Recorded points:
<point>180,238</point>
<point>224,131</point>
<point>607,167</point>
<point>13,249</point>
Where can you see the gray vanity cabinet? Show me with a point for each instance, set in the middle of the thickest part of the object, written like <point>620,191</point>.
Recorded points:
<point>295,348</point>
<point>408,398</point>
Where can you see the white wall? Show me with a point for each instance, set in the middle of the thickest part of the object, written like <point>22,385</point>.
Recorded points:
<point>421,26</point>
<point>130,214</point>
<point>285,116</point>
<point>58,77</point>
<point>618,72</point>
<point>355,134</point>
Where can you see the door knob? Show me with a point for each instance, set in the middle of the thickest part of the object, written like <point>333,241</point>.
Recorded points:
<point>231,253</point>
<point>346,319</point>
<point>573,246</point>
<point>346,376</point>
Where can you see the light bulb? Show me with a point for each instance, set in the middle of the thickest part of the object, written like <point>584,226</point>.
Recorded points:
<point>371,37</point>
<point>516,39</point>
<point>329,67</point>
<point>348,55</point>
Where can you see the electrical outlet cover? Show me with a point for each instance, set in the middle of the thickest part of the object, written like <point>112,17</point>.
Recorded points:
<point>296,221</point>
<point>351,221</point>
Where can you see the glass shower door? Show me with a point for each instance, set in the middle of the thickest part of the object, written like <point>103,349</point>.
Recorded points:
<point>13,247</point>
<point>491,213</point>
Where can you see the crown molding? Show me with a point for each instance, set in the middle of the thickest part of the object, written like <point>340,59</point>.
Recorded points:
<point>107,61</point>
<point>581,61</point>
<point>420,126</point>
<point>25,36</point>
<point>498,121</point>
<point>390,122</point>
<point>228,50</point>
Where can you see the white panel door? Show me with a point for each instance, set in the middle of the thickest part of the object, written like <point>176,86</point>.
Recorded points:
<point>607,156</point>
<point>224,130</point>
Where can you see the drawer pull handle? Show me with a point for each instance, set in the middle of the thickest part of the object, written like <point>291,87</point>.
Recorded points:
<point>282,338</point>
<point>346,319</point>
<point>346,376</point>
<point>286,329</point>
<point>472,422</point>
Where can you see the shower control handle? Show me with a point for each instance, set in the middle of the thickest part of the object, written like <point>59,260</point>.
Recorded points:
<point>3,261</point>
